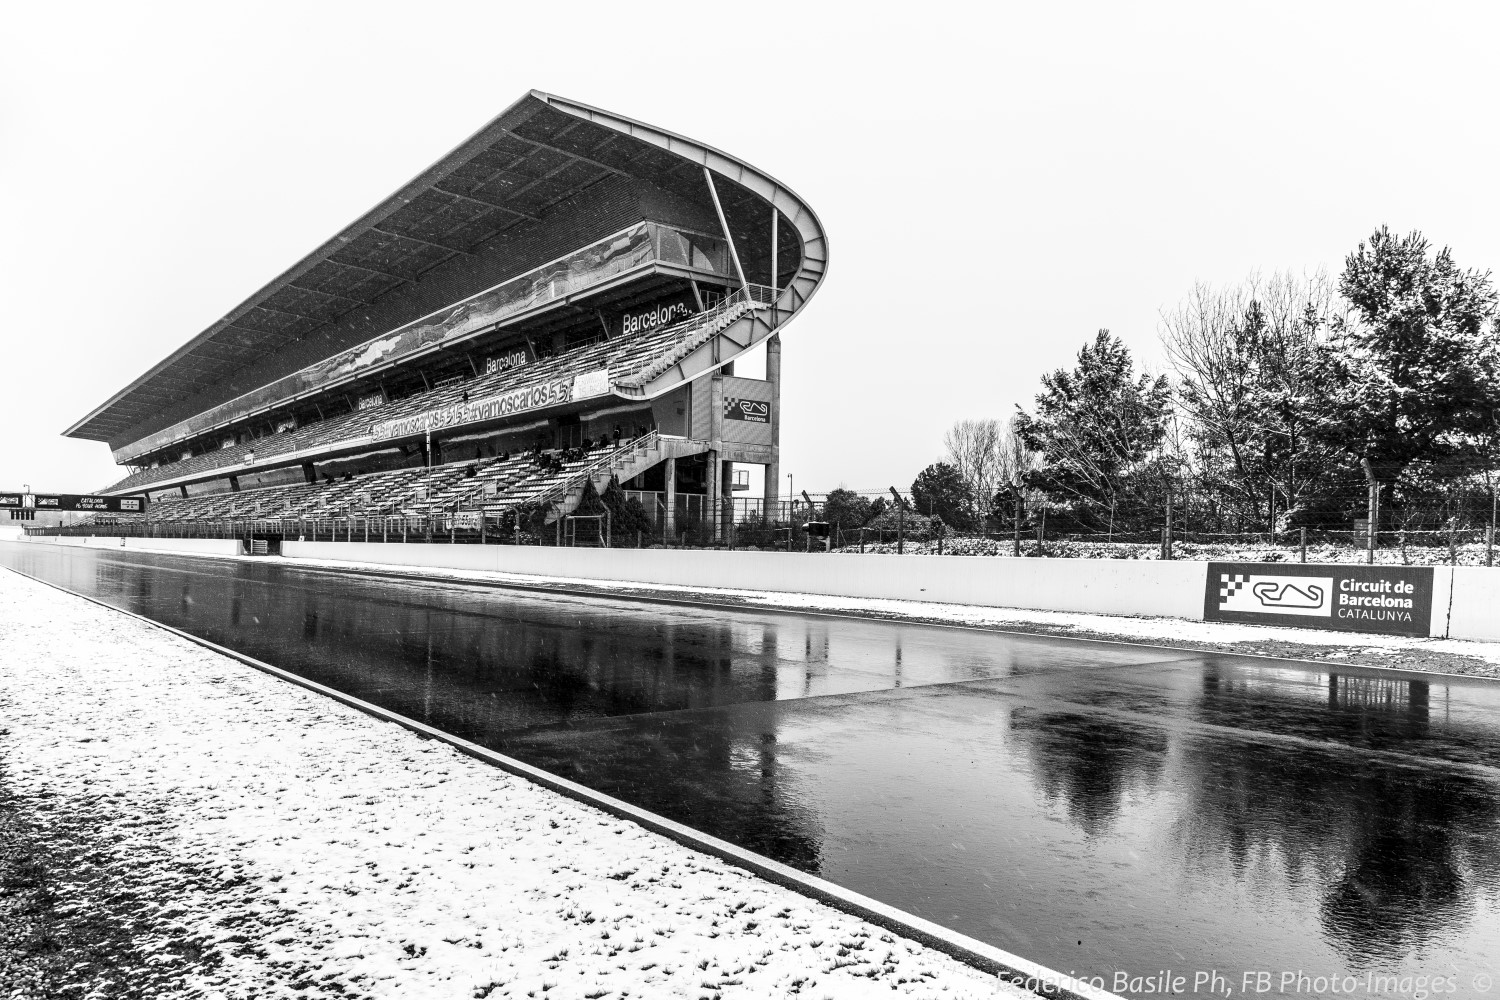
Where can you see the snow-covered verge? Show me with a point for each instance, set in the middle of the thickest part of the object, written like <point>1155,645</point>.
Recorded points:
<point>1457,656</point>
<point>1469,554</point>
<point>174,823</point>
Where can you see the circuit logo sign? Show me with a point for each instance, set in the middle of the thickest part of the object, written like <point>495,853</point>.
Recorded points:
<point>1260,593</point>
<point>1394,599</point>
<point>755,411</point>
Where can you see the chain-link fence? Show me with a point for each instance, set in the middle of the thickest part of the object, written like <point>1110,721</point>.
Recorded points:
<point>1449,522</point>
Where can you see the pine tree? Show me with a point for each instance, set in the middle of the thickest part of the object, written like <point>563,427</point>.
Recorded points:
<point>1096,429</point>
<point>1413,374</point>
<point>940,491</point>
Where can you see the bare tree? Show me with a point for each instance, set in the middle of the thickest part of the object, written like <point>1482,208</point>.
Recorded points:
<point>1244,357</point>
<point>1016,461</point>
<point>974,448</point>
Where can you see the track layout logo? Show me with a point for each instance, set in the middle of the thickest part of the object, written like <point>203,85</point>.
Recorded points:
<point>1265,594</point>
<point>753,410</point>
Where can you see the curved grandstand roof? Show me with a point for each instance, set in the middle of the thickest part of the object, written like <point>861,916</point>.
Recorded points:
<point>539,152</point>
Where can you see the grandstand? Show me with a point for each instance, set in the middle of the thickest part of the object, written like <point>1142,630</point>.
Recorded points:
<point>558,301</point>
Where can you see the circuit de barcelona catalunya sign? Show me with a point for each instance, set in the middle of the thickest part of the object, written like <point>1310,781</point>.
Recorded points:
<point>1391,599</point>
<point>473,411</point>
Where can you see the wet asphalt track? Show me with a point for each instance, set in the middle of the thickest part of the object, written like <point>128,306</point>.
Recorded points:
<point>1094,807</point>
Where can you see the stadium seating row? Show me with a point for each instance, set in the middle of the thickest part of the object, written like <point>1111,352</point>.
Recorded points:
<point>490,484</point>
<point>630,361</point>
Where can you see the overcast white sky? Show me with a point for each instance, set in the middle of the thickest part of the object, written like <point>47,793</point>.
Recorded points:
<point>997,181</point>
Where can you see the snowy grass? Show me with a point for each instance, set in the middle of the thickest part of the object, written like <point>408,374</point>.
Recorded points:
<point>205,830</point>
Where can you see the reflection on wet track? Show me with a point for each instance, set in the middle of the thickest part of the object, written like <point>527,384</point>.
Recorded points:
<point>1093,807</point>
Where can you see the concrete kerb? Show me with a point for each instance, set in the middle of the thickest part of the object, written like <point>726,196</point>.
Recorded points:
<point>971,951</point>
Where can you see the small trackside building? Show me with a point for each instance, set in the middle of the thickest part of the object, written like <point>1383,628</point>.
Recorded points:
<point>560,298</point>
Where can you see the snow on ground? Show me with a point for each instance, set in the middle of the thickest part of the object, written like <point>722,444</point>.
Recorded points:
<point>1406,652</point>
<point>193,827</point>
<point>1388,554</point>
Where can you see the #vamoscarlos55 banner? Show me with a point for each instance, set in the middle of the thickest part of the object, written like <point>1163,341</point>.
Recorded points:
<point>1395,600</point>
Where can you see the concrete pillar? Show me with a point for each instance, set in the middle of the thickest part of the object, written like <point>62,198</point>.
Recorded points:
<point>726,492</point>
<point>715,455</point>
<point>711,498</point>
<point>671,517</point>
<point>234,484</point>
<point>773,468</point>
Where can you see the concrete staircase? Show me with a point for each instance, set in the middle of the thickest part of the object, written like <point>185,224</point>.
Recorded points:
<point>624,463</point>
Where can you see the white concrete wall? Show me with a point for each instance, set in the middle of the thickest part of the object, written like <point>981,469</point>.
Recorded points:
<point>1101,586</point>
<point>1465,600</point>
<point>1474,602</point>
<point>193,546</point>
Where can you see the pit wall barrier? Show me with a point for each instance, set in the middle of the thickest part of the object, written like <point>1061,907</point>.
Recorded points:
<point>1465,605</point>
<point>1473,599</point>
<point>1097,586</point>
<point>194,546</point>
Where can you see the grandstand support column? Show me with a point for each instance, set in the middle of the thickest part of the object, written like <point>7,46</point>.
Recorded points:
<point>772,489</point>
<point>711,497</point>
<point>726,502</point>
<point>670,518</point>
<point>716,454</point>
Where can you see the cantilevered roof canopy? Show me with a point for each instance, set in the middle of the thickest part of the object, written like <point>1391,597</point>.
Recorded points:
<point>540,151</point>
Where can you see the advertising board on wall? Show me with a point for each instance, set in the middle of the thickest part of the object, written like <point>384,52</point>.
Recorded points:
<point>473,411</point>
<point>755,411</point>
<point>1395,600</point>
<point>72,502</point>
<point>642,319</point>
<point>512,357</point>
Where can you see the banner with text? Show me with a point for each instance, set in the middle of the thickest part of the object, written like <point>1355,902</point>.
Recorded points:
<point>72,502</point>
<point>1391,599</point>
<point>475,411</point>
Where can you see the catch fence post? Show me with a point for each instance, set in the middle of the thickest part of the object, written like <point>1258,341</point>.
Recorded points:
<point>1452,543</point>
<point>1489,545</point>
<point>861,541</point>
<point>1166,538</point>
<point>1304,543</point>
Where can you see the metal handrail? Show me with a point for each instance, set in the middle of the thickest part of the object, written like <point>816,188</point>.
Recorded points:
<point>751,295</point>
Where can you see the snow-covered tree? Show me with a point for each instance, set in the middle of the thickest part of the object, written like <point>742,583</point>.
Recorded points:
<point>1412,374</point>
<point>940,491</point>
<point>1096,429</point>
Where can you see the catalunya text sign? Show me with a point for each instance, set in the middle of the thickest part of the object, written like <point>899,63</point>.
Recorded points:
<point>71,502</point>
